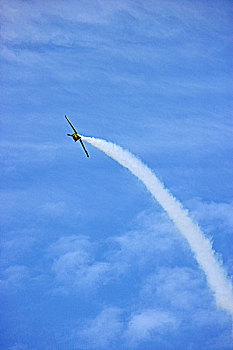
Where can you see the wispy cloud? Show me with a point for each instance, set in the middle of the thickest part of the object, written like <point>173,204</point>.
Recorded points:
<point>13,277</point>
<point>99,332</point>
<point>214,214</point>
<point>143,325</point>
<point>182,288</point>
<point>75,265</point>
<point>54,208</point>
<point>19,346</point>
<point>58,23</point>
<point>35,22</point>
<point>163,300</point>
<point>113,326</point>
<point>151,240</point>
<point>74,258</point>
<point>16,244</point>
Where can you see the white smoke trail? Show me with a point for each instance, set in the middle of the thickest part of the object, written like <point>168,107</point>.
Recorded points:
<point>199,244</point>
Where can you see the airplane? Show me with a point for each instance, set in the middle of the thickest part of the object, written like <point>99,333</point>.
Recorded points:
<point>76,136</point>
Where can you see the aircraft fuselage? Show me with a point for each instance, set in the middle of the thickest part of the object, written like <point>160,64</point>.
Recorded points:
<point>75,136</point>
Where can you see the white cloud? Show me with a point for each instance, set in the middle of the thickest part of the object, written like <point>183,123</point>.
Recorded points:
<point>154,236</point>
<point>213,214</point>
<point>112,326</point>
<point>217,220</point>
<point>74,243</point>
<point>144,325</point>
<point>182,293</point>
<point>76,267</point>
<point>102,330</point>
<point>72,272</point>
<point>181,288</point>
<point>77,262</point>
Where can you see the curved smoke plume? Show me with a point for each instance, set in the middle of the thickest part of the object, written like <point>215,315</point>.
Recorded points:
<point>199,244</point>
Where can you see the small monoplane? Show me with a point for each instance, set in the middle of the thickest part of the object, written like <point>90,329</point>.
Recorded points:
<point>76,136</point>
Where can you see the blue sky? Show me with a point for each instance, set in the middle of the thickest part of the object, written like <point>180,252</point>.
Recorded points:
<point>88,259</point>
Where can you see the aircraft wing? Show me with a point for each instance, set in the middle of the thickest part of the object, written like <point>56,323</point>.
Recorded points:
<point>71,125</point>
<point>84,148</point>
